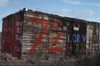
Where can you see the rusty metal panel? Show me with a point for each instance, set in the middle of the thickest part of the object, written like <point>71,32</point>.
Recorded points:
<point>11,32</point>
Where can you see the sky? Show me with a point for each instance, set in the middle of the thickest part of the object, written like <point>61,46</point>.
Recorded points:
<point>81,9</point>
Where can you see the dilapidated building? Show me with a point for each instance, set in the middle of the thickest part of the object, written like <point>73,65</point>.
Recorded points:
<point>29,34</point>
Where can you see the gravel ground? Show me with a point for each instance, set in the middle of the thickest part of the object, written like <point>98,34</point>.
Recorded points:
<point>92,61</point>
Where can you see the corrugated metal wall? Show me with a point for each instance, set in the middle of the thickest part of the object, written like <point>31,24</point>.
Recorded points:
<point>12,34</point>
